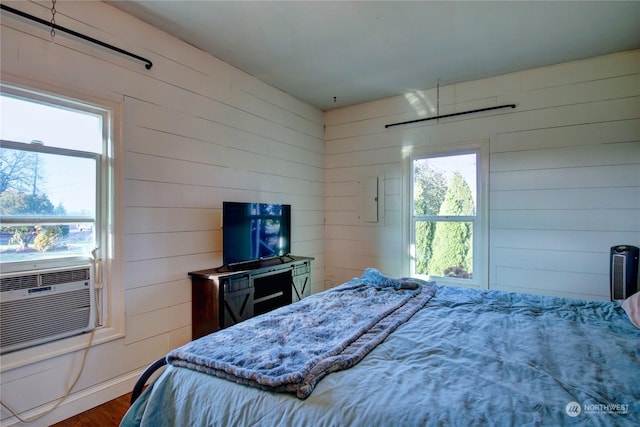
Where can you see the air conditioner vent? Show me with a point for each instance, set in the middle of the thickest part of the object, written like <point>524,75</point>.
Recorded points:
<point>36,315</point>
<point>65,276</point>
<point>44,306</point>
<point>18,282</point>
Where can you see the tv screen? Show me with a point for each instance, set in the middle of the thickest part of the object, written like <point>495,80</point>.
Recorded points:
<point>252,231</point>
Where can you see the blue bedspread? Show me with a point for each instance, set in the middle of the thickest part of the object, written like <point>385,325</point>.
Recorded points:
<point>294,347</point>
<point>467,358</point>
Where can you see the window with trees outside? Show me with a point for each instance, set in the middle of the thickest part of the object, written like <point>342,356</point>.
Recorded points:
<point>54,180</point>
<point>447,216</point>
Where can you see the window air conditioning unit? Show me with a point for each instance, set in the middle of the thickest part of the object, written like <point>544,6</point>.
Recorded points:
<point>42,306</point>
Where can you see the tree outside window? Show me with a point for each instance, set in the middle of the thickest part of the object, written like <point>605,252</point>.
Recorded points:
<point>444,214</point>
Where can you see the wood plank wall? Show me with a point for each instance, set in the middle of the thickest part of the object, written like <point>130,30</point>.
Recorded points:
<point>564,173</point>
<point>194,132</point>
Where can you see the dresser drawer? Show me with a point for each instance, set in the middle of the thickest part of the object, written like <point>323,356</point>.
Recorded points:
<point>237,283</point>
<point>304,268</point>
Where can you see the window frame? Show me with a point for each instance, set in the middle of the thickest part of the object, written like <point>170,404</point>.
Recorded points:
<point>480,221</point>
<point>100,201</point>
<point>103,174</point>
<point>107,225</point>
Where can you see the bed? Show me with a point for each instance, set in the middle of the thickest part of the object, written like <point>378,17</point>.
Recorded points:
<point>457,357</point>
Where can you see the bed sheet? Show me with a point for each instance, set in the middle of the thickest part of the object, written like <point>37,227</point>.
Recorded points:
<point>468,357</point>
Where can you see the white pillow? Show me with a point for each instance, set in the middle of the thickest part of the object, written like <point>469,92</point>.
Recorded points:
<point>632,306</point>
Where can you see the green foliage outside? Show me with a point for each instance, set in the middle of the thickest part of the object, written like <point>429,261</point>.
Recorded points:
<point>443,248</point>
<point>15,203</point>
<point>46,237</point>
<point>42,238</point>
<point>452,240</point>
<point>429,190</point>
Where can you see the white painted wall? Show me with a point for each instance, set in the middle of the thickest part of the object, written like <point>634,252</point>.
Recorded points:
<point>565,177</point>
<point>564,173</point>
<point>195,132</point>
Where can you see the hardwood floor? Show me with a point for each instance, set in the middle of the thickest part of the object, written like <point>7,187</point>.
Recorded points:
<point>106,415</point>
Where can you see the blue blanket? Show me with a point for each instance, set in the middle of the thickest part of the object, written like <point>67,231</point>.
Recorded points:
<point>468,358</point>
<point>292,348</point>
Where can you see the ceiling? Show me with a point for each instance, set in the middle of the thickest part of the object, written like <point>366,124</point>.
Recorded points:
<point>336,53</point>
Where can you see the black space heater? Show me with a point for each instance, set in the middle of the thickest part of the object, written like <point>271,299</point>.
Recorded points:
<point>623,271</point>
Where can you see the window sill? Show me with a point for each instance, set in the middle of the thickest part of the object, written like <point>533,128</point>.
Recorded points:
<point>453,281</point>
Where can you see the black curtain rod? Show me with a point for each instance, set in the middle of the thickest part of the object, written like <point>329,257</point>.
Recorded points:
<point>451,115</point>
<point>148,64</point>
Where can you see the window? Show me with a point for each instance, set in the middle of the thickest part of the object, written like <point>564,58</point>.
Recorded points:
<point>57,193</point>
<point>52,164</point>
<point>447,220</point>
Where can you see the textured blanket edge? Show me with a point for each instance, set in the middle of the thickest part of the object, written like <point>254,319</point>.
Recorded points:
<point>356,348</point>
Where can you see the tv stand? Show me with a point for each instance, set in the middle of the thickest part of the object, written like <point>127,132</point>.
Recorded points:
<point>229,294</point>
<point>255,264</point>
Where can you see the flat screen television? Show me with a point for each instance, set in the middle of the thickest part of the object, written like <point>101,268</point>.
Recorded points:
<point>253,231</point>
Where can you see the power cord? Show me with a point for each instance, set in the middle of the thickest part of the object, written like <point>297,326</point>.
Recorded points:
<point>66,394</point>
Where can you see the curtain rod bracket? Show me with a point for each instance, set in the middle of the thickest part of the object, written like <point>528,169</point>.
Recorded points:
<point>53,26</point>
<point>451,115</point>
